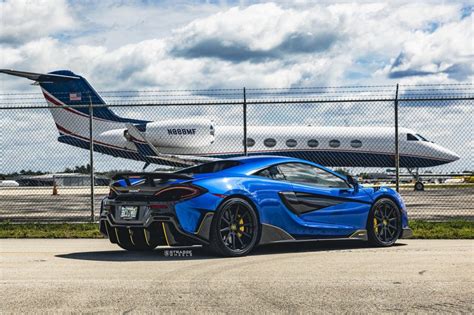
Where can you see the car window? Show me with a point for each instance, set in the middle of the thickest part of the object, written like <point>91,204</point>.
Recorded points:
<point>271,172</point>
<point>310,175</point>
<point>211,167</point>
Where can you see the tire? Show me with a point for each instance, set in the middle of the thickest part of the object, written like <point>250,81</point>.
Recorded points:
<point>419,186</point>
<point>384,225</point>
<point>234,228</point>
<point>133,240</point>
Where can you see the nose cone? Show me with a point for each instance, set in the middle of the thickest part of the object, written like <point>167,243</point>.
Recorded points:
<point>447,155</point>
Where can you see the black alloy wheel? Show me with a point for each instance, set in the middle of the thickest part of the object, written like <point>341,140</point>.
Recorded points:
<point>234,229</point>
<point>384,225</point>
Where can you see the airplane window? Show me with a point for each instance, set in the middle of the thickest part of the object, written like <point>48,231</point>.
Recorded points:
<point>422,138</point>
<point>411,137</point>
<point>310,175</point>
<point>334,143</point>
<point>291,143</point>
<point>250,142</point>
<point>356,143</point>
<point>269,142</point>
<point>313,143</point>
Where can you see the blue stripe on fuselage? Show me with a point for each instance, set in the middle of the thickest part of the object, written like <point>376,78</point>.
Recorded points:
<point>351,159</point>
<point>348,159</point>
<point>131,155</point>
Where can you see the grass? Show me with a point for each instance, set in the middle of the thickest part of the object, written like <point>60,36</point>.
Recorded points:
<point>421,230</point>
<point>442,230</point>
<point>53,230</point>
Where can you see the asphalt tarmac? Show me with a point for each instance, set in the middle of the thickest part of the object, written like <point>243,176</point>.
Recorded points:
<point>434,276</point>
<point>72,204</point>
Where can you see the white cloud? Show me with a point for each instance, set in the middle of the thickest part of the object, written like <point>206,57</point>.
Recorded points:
<point>24,20</point>
<point>144,46</point>
<point>262,45</point>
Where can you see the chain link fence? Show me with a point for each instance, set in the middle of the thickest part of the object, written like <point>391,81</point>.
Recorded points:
<point>46,160</point>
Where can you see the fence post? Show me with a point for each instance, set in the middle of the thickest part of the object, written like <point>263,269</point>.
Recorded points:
<point>91,156</point>
<point>245,122</point>
<point>397,149</point>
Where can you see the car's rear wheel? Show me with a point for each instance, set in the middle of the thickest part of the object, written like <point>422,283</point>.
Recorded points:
<point>384,223</point>
<point>134,240</point>
<point>234,228</point>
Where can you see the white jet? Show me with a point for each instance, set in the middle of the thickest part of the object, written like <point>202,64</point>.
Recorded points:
<point>183,142</point>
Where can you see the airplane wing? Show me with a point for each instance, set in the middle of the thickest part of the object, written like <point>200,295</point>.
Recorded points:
<point>147,149</point>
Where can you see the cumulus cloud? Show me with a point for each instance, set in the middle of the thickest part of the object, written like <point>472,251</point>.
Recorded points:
<point>257,33</point>
<point>24,20</point>
<point>143,45</point>
<point>261,45</point>
<point>446,50</point>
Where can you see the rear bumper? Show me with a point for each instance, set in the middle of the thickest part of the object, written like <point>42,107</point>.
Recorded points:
<point>407,233</point>
<point>160,226</point>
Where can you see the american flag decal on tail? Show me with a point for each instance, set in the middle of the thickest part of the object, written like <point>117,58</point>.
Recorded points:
<point>74,96</point>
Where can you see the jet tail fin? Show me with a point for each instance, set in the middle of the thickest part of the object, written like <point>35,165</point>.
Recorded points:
<point>64,87</point>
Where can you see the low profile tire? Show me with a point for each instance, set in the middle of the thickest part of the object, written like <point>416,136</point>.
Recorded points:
<point>384,224</point>
<point>133,240</point>
<point>419,186</point>
<point>234,228</point>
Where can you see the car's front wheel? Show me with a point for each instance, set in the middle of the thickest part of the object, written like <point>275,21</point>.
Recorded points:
<point>384,223</point>
<point>234,228</point>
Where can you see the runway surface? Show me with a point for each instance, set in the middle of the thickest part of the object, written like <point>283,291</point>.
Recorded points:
<point>72,204</point>
<point>95,276</point>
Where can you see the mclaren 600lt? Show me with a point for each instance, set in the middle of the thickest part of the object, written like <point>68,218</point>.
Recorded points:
<point>233,205</point>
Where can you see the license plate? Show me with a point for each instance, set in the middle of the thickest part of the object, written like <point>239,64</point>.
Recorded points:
<point>129,212</point>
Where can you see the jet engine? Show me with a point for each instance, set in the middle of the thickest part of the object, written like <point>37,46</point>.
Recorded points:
<point>182,133</point>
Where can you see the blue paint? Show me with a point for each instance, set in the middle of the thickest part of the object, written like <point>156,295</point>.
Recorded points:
<point>339,220</point>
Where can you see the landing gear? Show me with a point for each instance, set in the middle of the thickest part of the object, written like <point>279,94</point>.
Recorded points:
<point>419,186</point>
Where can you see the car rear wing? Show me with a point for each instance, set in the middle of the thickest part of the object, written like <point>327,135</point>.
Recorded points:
<point>149,177</point>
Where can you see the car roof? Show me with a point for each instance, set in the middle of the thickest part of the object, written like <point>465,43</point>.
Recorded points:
<point>252,164</point>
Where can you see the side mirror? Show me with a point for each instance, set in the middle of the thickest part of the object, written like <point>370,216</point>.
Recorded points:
<point>353,182</point>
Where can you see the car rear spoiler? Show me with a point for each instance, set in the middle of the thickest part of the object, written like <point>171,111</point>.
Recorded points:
<point>149,176</point>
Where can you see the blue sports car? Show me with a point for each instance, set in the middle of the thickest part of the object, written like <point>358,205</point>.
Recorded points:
<point>233,205</point>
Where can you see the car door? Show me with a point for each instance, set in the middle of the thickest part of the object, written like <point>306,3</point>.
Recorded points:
<point>324,203</point>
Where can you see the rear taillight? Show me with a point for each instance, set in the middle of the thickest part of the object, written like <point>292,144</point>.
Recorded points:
<point>176,193</point>
<point>112,193</point>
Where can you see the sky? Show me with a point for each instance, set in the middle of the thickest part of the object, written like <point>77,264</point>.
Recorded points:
<point>137,45</point>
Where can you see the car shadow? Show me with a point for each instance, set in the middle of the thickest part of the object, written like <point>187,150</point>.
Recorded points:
<point>200,253</point>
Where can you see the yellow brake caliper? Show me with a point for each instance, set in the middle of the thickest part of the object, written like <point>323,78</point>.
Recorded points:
<point>376,228</point>
<point>241,222</point>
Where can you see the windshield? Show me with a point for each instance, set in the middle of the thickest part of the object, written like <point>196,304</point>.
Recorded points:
<point>422,138</point>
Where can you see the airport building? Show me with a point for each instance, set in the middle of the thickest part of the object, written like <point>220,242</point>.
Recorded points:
<point>61,179</point>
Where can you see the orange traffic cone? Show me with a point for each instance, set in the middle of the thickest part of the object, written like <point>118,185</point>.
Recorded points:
<point>55,188</point>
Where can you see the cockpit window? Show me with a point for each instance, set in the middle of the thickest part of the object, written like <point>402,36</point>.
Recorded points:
<point>422,138</point>
<point>411,137</point>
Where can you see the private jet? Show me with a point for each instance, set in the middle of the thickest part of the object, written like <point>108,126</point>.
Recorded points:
<point>188,141</point>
